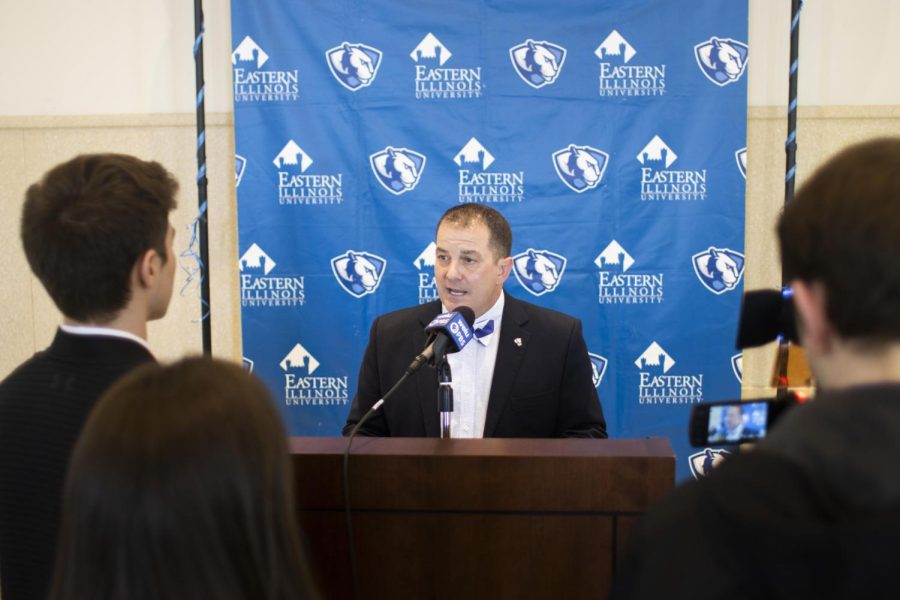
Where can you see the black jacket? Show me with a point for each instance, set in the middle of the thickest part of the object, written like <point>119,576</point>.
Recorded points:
<point>812,512</point>
<point>542,385</point>
<point>43,406</point>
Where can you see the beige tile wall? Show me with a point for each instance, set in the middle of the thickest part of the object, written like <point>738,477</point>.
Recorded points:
<point>29,146</point>
<point>821,131</point>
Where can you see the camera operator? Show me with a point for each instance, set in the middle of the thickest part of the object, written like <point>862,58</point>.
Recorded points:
<point>813,510</point>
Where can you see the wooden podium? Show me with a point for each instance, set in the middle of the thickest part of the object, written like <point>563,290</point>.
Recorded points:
<point>489,518</point>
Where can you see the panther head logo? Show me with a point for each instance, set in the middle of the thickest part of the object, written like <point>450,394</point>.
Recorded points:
<point>721,60</point>
<point>240,164</point>
<point>580,167</point>
<point>354,65</point>
<point>737,366</point>
<point>539,271</point>
<point>719,269</point>
<point>702,463</point>
<point>598,368</point>
<point>537,63</point>
<point>397,169</point>
<point>359,273</point>
<point>741,158</point>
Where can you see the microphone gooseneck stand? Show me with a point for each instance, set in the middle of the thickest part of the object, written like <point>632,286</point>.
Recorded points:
<point>435,351</point>
<point>445,396</point>
<point>353,569</point>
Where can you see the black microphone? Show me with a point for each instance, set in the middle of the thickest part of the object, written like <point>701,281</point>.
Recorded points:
<point>449,332</point>
<point>766,315</point>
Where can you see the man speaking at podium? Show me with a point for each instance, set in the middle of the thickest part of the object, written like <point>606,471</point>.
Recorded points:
<point>526,373</point>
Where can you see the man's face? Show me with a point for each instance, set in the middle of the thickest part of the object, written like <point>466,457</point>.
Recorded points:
<point>159,303</point>
<point>465,269</point>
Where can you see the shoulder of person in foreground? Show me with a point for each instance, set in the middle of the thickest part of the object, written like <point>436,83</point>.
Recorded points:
<point>757,526</point>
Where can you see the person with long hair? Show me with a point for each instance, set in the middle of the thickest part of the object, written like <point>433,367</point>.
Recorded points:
<point>180,487</point>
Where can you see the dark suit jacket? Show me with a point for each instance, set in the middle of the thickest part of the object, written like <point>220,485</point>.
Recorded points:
<point>541,388</point>
<point>43,406</point>
<point>812,512</point>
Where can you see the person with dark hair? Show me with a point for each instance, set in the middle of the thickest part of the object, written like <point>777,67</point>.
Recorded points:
<point>180,487</point>
<point>812,511</point>
<point>96,234</point>
<point>526,373</point>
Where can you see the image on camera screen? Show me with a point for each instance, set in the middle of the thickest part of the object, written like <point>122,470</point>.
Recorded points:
<point>736,423</point>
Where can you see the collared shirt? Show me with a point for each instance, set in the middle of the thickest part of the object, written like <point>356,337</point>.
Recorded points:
<point>472,369</point>
<point>105,331</point>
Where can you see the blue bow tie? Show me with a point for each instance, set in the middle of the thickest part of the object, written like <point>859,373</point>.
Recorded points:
<point>484,332</point>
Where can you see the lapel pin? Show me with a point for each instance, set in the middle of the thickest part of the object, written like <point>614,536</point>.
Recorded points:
<point>518,342</point>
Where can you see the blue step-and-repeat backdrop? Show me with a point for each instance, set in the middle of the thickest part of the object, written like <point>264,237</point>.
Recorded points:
<point>612,136</point>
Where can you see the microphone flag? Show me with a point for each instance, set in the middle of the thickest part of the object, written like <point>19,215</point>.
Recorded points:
<point>455,325</point>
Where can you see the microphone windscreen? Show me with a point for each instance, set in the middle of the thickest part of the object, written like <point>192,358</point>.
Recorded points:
<point>468,314</point>
<point>758,323</point>
<point>765,315</point>
<point>456,325</point>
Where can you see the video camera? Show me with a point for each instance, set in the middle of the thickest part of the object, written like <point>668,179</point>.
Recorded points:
<point>766,316</point>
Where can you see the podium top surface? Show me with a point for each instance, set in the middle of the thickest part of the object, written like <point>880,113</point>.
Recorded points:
<point>523,447</point>
<point>485,474</point>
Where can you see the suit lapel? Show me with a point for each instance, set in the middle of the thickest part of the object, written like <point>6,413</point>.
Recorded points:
<point>426,377</point>
<point>513,344</point>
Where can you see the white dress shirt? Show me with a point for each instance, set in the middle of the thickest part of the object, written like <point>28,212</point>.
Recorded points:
<point>472,369</point>
<point>107,331</point>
